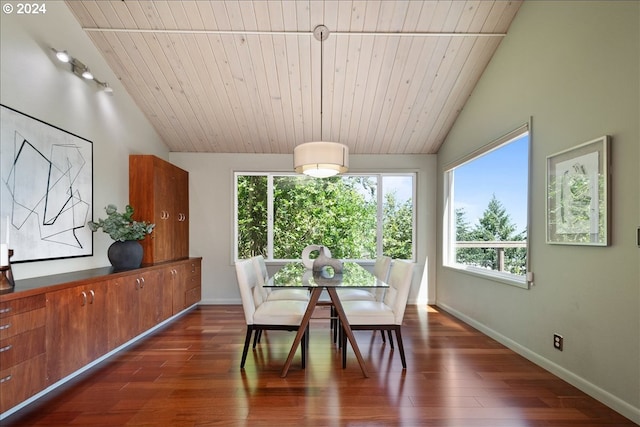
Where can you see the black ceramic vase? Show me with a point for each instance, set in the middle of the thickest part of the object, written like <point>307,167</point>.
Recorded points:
<point>125,255</point>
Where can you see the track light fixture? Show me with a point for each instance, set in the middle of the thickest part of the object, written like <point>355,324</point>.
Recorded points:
<point>80,69</point>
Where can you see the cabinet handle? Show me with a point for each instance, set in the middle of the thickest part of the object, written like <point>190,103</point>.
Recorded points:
<point>142,282</point>
<point>5,379</point>
<point>93,296</point>
<point>137,283</point>
<point>84,298</point>
<point>6,348</point>
<point>3,327</point>
<point>5,310</point>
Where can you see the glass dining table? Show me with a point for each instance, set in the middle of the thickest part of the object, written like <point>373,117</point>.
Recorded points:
<point>296,275</point>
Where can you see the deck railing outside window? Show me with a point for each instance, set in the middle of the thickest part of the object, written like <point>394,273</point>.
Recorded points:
<point>499,246</point>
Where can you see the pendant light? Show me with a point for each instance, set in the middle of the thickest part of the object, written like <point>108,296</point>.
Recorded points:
<point>321,159</point>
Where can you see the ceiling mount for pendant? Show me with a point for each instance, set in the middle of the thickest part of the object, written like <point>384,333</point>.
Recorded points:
<point>321,33</point>
<point>321,159</point>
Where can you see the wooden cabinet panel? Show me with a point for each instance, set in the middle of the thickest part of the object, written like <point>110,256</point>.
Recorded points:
<point>139,302</point>
<point>23,322</point>
<point>76,318</point>
<point>186,282</point>
<point>123,322</point>
<point>21,381</point>
<point>21,305</point>
<point>177,276</point>
<point>159,193</point>
<point>22,349</point>
<point>155,300</point>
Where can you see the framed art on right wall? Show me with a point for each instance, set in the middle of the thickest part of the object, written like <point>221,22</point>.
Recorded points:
<point>578,194</point>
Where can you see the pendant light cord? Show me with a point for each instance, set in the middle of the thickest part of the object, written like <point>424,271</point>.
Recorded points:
<point>321,83</point>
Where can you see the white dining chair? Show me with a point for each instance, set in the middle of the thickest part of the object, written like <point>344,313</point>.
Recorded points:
<point>275,294</point>
<point>381,270</point>
<point>382,315</point>
<point>261,314</point>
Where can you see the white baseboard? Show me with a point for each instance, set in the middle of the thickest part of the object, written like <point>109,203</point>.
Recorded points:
<point>226,301</point>
<point>612,401</point>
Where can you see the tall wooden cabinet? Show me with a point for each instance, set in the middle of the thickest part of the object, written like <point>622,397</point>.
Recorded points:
<point>159,193</point>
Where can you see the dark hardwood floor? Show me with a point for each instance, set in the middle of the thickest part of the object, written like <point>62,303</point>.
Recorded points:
<point>187,374</point>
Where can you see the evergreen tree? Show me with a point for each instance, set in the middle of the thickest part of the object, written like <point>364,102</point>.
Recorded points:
<point>494,225</point>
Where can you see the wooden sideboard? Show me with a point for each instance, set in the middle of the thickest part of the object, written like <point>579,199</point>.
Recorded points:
<point>51,327</point>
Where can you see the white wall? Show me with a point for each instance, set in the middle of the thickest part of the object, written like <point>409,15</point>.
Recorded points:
<point>34,82</point>
<point>211,213</point>
<point>574,68</point>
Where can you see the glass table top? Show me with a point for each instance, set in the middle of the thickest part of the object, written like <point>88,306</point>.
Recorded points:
<point>297,275</point>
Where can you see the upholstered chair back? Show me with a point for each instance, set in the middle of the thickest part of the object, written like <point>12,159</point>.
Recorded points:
<point>247,281</point>
<point>397,294</point>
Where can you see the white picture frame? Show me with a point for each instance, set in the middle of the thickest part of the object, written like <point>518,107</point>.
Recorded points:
<point>578,194</point>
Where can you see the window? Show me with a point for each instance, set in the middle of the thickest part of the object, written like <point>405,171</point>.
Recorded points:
<point>357,217</point>
<point>486,210</point>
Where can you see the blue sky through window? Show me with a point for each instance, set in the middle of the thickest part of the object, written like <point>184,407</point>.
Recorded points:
<point>502,172</point>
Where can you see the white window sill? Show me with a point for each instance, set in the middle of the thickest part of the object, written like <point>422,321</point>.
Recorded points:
<point>496,276</point>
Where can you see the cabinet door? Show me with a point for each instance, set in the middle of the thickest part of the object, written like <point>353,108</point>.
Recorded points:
<point>123,323</point>
<point>76,318</point>
<point>178,273</point>
<point>181,231</point>
<point>155,299</point>
<point>165,214</point>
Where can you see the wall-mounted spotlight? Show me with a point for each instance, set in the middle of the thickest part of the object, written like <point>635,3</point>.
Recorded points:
<point>80,69</point>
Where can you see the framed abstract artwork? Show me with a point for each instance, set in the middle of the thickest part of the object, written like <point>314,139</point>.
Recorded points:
<point>578,195</point>
<point>46,189</point>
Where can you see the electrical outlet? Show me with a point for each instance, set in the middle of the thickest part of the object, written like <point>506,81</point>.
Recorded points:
<point>558,342</point>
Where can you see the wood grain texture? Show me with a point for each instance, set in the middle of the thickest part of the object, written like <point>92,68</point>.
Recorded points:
<point>232,76</point>
<point>187,374</point>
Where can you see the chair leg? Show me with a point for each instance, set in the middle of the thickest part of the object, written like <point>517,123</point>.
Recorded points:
<point>382,335</point>
<point>390,338</point>
<point>303,347</point>
<point>335,324</point>
<point>343,344</point>
<point>256,337</point>
<point>400,346</point>
<point>247,340</point>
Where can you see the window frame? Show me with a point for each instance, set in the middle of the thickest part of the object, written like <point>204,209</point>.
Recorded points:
<point>379,214</point>
<point>449,216</point>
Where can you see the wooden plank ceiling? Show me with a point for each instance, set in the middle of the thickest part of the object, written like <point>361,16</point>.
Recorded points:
<point>245,76</point>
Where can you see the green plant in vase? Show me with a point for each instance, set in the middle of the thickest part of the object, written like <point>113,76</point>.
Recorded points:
<point>121,226</point>
<point>126,252</point>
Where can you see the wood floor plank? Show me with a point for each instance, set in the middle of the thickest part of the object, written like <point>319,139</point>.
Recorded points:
<point>187,375</point>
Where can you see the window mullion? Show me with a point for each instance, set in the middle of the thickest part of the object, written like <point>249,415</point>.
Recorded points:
<point>380,217</point>
<point>270,217</point>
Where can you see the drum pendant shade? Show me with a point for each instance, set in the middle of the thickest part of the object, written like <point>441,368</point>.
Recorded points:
<point>321,159</point>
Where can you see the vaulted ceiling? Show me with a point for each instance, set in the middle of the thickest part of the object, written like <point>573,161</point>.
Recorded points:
<point>240,76</point>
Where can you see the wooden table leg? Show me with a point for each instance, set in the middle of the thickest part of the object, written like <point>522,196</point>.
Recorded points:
<point>313,300</point>
<point>347,328</point>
